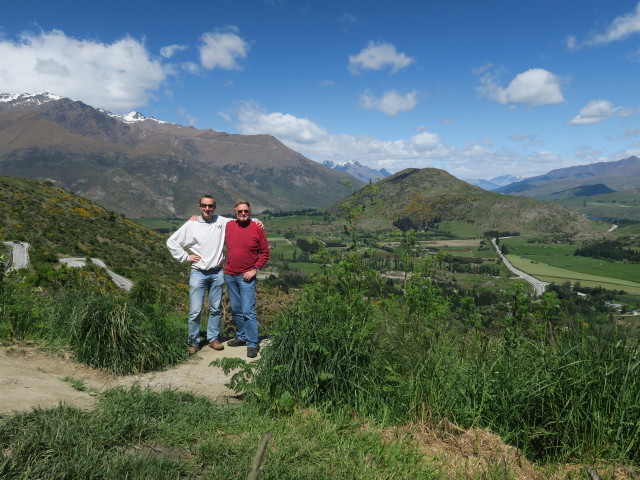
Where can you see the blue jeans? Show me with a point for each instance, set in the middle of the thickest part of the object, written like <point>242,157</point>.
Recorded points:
<point>200,282</point>
<point>242,296</point>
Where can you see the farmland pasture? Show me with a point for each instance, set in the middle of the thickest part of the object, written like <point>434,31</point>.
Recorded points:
<point>556,263</point>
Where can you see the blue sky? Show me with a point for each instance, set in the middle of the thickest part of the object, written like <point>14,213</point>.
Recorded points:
<point>479,89</point>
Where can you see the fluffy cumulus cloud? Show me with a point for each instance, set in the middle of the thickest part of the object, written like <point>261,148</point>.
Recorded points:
<point>535,87</point>
<point>223,49</point>
<point>620,28</point>
<point>377,56</point>
<point>597,111</point>
<point>391,103</point>
<point>118,76</point>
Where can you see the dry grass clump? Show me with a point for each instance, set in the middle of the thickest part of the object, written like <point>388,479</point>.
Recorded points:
<point>478,453</point>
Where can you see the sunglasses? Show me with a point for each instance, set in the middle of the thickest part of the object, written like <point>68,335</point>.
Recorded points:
<point>242,211</point>
<point>207,205</point>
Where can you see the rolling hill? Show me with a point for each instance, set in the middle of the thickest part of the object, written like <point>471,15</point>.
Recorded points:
<point>433,197</point>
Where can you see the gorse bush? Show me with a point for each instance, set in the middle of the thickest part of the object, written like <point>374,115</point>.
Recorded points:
<point>548,384</point>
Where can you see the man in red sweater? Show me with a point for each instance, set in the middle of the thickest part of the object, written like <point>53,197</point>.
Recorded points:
<point>247,253</point>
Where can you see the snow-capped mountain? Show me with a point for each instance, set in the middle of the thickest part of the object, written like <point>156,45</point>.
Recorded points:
<point>495,182</point>
<point>28,98</point>
<point>356,169</point>
<point>139,166</point>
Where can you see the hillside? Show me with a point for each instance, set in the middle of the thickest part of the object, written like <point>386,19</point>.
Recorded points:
<point>60,224</point>
<point>615,176</point>
<point>147,168</point>
<point>432,197</point>
<point>620,206</point>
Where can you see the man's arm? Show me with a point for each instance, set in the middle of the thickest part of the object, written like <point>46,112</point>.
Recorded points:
<point>227,220</point>
<point>177,243</point>
<point>263,256</point>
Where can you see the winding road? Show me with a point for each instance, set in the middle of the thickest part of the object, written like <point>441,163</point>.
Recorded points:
<point>19,255</point>
<point>20,259</point>
<point>538,286</point>
<point>119,280</point>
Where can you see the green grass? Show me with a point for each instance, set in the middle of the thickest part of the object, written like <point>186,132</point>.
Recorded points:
<point>78,384</point>
<point>574,273</point>
<point>139,434</point>
<point>461,229</point>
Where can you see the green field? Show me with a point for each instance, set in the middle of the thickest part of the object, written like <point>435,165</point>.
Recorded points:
<point>556,263</point>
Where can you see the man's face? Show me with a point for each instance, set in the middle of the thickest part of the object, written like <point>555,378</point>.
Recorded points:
<point>207,207</point>
<point>243,212</point>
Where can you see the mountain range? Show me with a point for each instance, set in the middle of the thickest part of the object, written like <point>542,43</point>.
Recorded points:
<point>144,167</point>
<point>494,183</point>
<point>359,171</point>
<point>579,181</point>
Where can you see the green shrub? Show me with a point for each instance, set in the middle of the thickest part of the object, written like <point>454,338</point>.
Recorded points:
<point>551,386</point>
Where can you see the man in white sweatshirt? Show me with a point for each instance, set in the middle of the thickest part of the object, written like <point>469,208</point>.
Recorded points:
<point>201,242</point>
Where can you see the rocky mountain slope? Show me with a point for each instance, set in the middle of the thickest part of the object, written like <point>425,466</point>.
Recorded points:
<point>143,167</point>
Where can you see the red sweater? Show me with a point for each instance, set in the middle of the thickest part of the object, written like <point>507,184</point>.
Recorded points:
<point>247,247</point>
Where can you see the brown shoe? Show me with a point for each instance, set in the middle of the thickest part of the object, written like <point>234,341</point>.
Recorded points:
<point>216,345</point>
<point>193,350</point>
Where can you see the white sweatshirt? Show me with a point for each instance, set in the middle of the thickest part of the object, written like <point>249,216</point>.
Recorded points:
<point>200,238</point>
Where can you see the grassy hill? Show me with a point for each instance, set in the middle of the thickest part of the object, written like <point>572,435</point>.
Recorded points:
<point>432,197</point>
<point>60,224</point>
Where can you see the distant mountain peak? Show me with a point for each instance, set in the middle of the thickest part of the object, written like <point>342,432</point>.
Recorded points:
<point>131,117</point>
<point>28,98</point>
<point>356,169</point>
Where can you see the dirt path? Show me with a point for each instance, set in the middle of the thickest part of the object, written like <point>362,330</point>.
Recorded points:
<point>31,378</point>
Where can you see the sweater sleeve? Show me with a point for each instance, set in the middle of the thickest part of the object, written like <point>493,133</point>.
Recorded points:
<point>177,243</point>
<point>263,254</point>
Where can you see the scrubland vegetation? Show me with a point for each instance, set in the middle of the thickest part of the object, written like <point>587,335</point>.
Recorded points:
<point>352,353</point>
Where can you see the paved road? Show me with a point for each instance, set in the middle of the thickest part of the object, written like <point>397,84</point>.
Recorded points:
<point>538,286</point>
<point>119,280</point>
<point>20,259</point>
<point>19,255</point>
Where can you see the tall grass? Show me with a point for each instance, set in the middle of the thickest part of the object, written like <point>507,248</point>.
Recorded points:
<point>556,393</point>
<point>106,332</point>
<point>103,327</point>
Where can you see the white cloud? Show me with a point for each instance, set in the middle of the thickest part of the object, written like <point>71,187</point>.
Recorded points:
<point>305,136</point>
<point>477,159</point>
<point>391,103</point>
<point>170,50</point>
<point>223,50</point>
<point>620,28</point>
<point>597,111</point>
<point>535,87</point>
<point>377,56</point>
<point>119,76</point>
